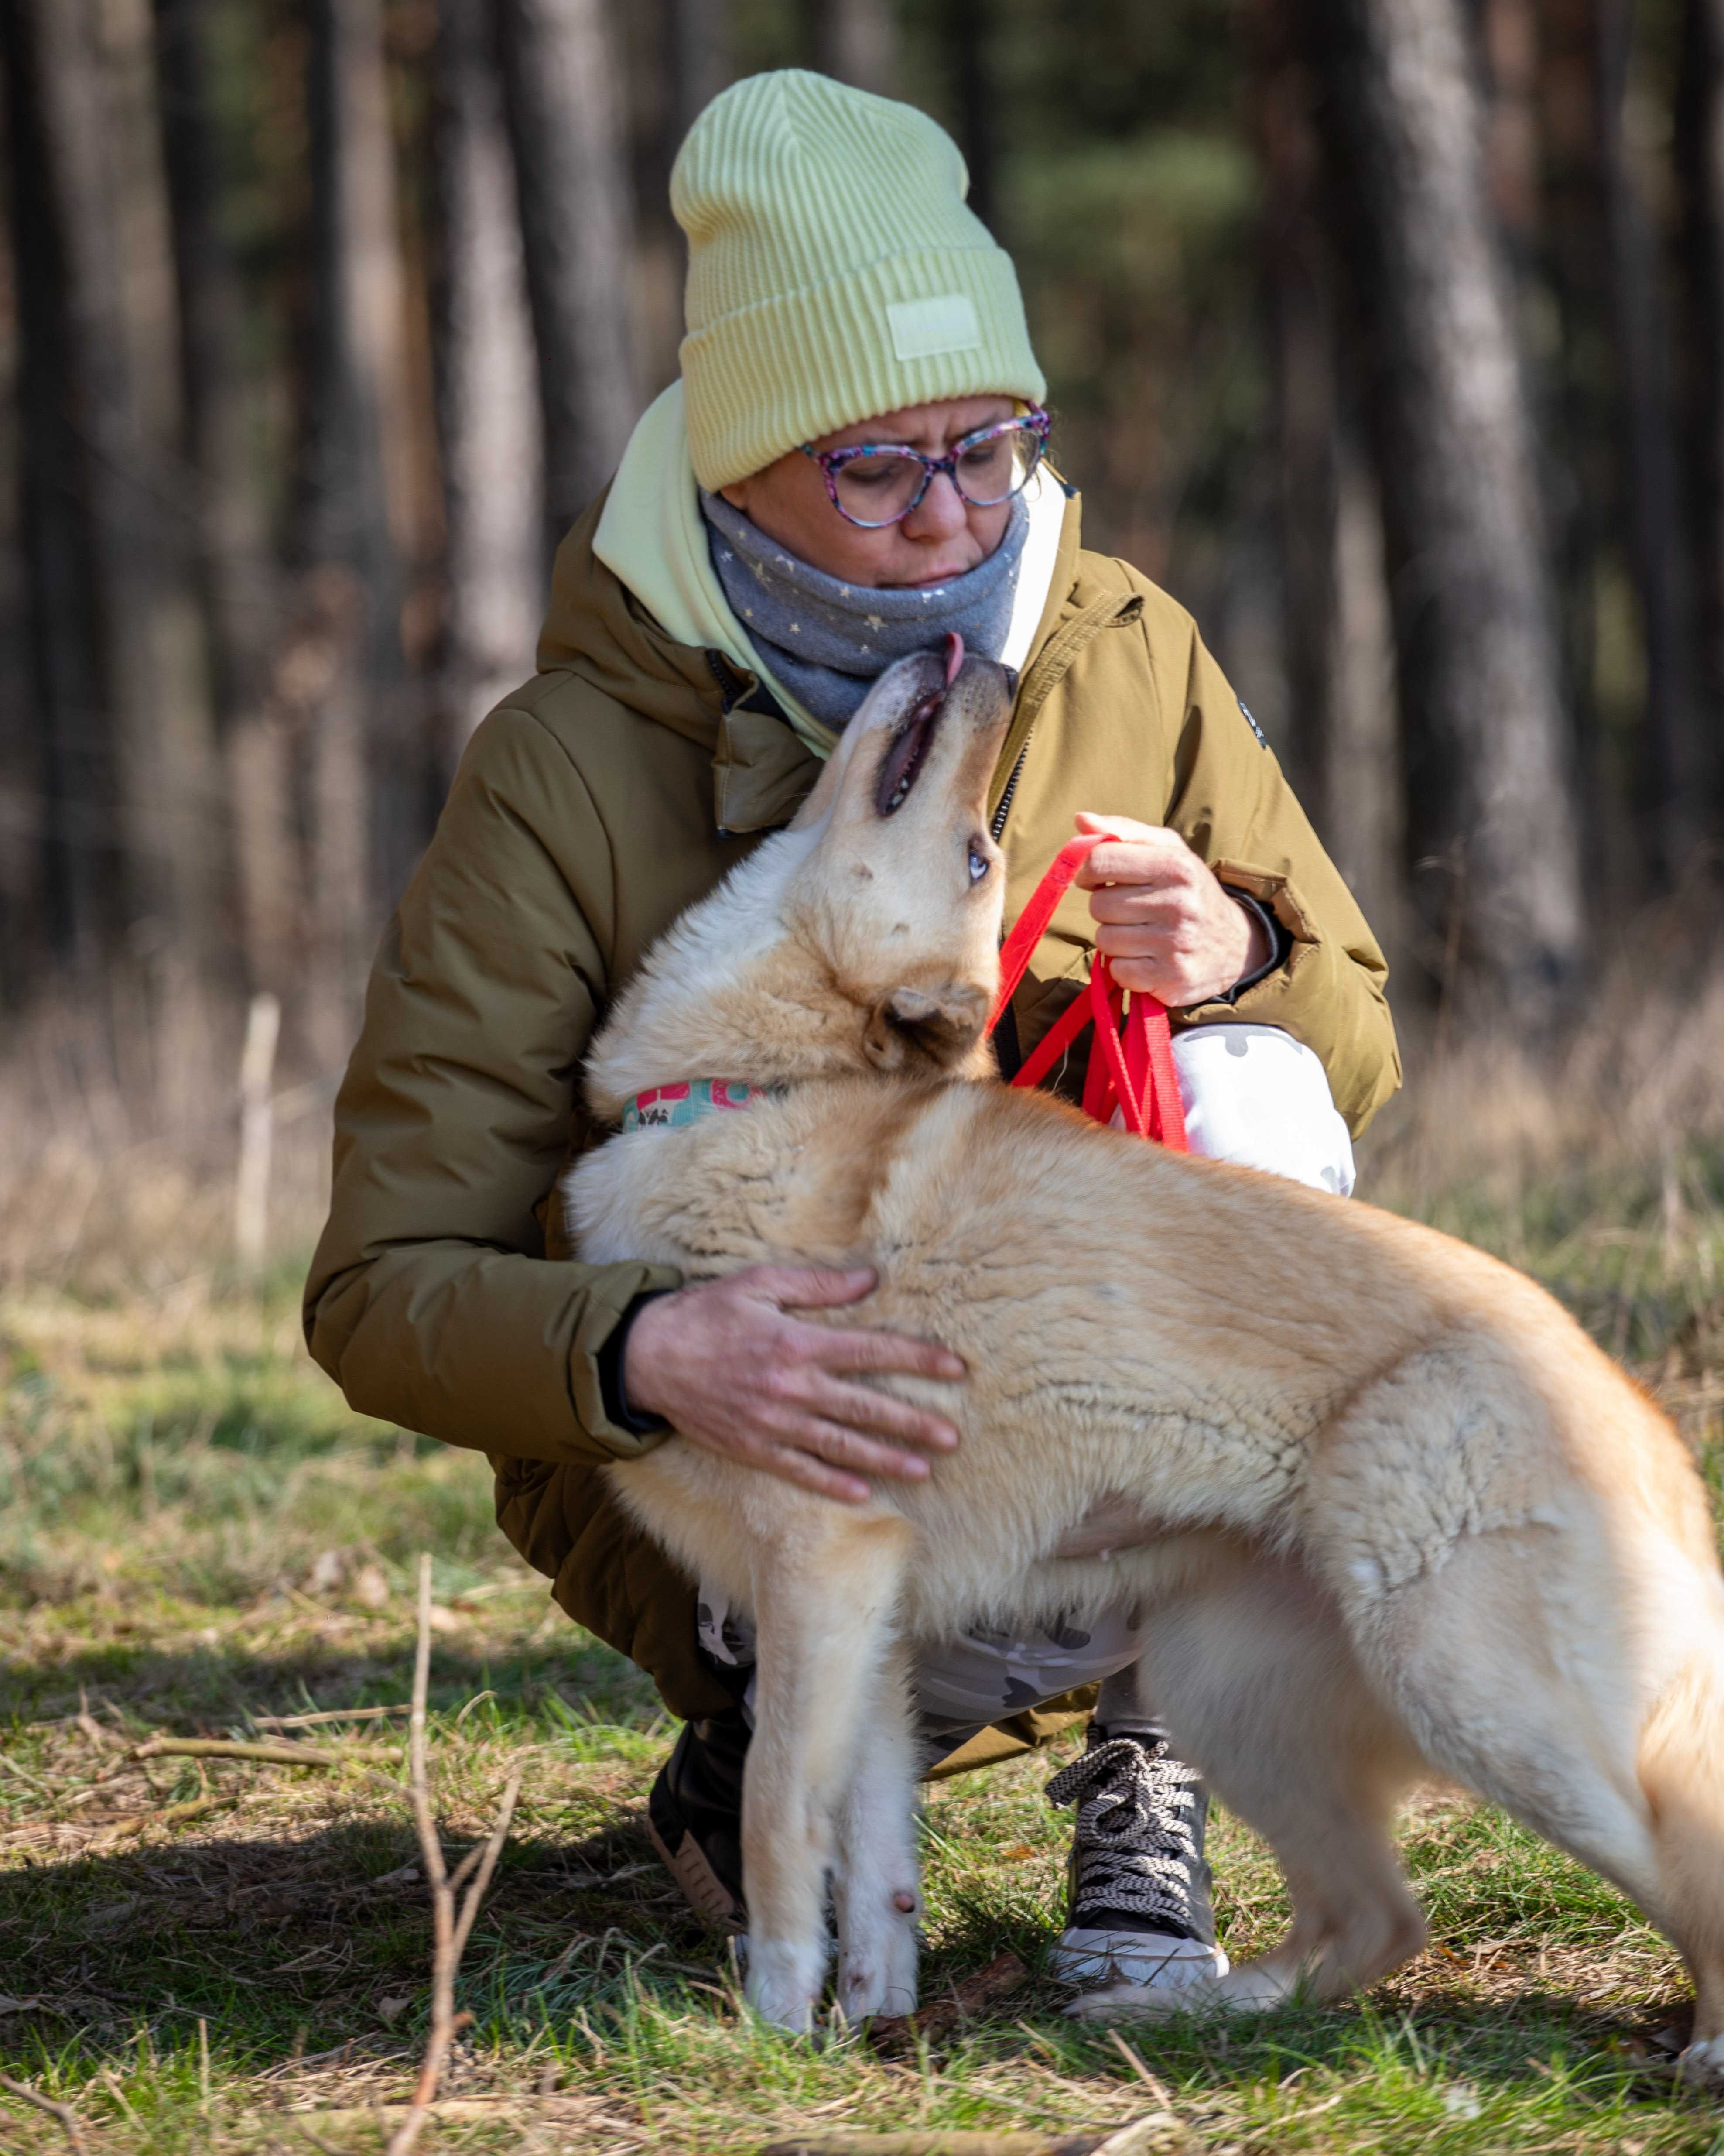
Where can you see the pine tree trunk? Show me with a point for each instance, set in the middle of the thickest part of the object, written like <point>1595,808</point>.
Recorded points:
<point>1490,792</point>
<point>240,586</point>
<point>342,667</point>
<point>1673,754</point>
<point>967,27</point>
<point>71,740</point>
<point>1582,481</point>
<point>1700,165</point>
<point>855,41</point>
<point>488,388</point>
<point>700,59</point>
<point>571,172</point>
<point>93,66</point>
<point>1343,745</point>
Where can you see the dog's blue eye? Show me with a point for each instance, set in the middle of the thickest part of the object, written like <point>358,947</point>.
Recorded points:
<point>979,865</point>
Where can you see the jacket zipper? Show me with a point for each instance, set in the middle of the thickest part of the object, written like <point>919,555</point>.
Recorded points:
<point>1052,667</point>
<point>1004,809</point>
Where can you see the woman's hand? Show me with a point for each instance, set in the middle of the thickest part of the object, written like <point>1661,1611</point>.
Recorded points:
<point>1162,917</point>
<point>732,1371</point>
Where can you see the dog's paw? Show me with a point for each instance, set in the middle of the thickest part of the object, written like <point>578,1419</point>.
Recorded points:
<point>783,1984</point>
<point>1703,2063</point>
<point>878,1975</point>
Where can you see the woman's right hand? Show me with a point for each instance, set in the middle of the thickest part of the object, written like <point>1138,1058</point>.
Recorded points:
<point>732,1370</point>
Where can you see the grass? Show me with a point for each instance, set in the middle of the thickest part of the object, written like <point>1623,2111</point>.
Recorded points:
<point>215,1956</point>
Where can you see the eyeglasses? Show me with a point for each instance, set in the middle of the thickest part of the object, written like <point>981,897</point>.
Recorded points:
<point>874,484</point>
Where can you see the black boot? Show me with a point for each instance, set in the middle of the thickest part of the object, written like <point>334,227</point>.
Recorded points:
<point>695,1815</point>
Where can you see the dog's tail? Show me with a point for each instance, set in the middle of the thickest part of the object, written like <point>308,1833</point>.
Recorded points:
<point>1681,1771</point>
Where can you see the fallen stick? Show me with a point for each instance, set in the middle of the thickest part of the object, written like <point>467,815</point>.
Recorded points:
<point>328,1714</point>
<point>1158,2134</point>
<point>448,2109</point>
<point>451,1931</point>
<point>63,2112</point>
<point>169,1816</point>
<point>281,1752</point>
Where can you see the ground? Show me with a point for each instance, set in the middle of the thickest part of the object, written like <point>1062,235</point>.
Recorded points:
<point>223,1956</point>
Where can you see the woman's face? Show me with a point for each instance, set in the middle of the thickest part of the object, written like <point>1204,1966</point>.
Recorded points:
<point>943,536</point>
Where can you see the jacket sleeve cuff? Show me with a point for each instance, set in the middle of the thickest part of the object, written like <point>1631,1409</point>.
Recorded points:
<point>1280,942</point>
<point>605,1320</point>
<point>613,1392</point>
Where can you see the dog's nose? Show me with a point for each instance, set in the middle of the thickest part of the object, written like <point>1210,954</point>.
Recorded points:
<point>954,655</point>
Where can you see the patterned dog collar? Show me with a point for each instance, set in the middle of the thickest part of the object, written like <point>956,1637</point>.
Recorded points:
<point>666,1106</point>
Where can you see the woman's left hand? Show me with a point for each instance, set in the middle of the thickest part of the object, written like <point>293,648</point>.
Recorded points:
<point>1162,915</point>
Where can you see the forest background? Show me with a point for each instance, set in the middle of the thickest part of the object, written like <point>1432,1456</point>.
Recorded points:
<point>1385,333</point>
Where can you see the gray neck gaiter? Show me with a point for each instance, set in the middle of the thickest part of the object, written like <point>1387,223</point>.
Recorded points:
<point>826,641</point>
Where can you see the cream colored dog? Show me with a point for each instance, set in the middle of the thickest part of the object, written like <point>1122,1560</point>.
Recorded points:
<point>1393,1512</point>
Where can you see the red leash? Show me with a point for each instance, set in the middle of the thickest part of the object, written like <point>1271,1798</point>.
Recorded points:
<point>1134,1075</point>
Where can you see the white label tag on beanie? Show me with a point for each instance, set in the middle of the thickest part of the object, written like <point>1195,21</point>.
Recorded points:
<point>921,329</point>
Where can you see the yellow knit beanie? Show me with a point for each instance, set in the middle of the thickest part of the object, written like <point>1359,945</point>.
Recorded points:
<point>834,272</point>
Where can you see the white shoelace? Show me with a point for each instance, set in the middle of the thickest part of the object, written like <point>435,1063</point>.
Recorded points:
<point>1136,1841</point>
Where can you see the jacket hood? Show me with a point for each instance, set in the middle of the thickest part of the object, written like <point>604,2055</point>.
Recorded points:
<point>597,630</point>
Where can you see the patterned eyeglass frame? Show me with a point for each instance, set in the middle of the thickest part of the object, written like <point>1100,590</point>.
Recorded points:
<point>1035,422</point>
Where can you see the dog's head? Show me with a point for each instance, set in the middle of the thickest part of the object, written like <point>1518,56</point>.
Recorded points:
<point>901,895</point>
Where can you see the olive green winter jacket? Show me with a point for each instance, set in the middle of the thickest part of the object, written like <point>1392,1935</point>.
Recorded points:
<point>591,807</point>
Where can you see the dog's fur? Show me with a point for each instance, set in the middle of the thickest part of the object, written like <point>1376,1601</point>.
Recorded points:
<point>1390,1510</point>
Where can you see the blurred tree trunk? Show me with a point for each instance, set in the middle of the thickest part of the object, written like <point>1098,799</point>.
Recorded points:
<point>1344,750</point>
<point>488,391</point>
<point>242,599</point>
<point>571,171</point>
<point>700,60</point>
<point>1699,165</point>
<point>341,668</point>
<point>1508,50</point>
<point>1490,795</point>
<point>1581,475</point>
<point>70,730</point>
<point>1673,751</point>
<point>91,64</point>
<point>967,25</point>
<point>855,41</point>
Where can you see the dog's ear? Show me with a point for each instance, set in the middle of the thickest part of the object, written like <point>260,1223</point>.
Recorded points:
<point>939,1026</point>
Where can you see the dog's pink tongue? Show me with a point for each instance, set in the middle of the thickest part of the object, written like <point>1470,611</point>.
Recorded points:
<point>954,655</point>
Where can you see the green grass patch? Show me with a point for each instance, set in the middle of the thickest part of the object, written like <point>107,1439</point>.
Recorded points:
<point>196,1538</point>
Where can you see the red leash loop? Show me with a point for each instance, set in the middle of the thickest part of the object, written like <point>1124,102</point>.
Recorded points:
<point>1134,1074</point>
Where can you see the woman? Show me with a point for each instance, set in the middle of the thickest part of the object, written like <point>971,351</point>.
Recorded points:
<point>850,466</point>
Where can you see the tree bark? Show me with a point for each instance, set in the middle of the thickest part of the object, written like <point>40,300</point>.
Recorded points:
<point>700,59</point>
<point>855,41</point>
<point>1581,478</point>
<point>341,667</point>
<point>488,391</point>
<point>71,743</point>
<point>571,172</point>
<point>1490,792</point>
<point>1343,734</point>
<point>966,26</point>
<point>1699,168</point>
<point>1673,753</point>
<point>92,67</point>
<point>242,597</point>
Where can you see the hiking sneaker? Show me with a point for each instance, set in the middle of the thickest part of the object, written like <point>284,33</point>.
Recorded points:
<point>695,1815</point>
<point>1139,1910</point>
